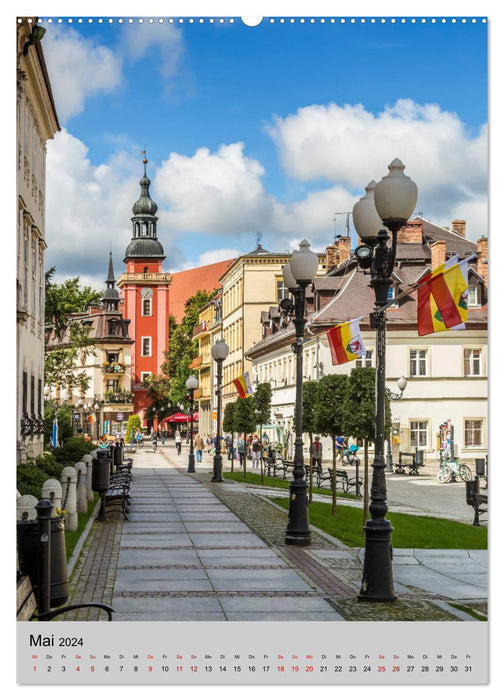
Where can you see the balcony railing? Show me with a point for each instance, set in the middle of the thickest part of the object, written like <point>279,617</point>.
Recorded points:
<point>202,327</point>
<point>116,397</point>
<point>113,368</point>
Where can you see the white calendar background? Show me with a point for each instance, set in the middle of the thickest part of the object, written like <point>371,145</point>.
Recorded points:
<point>254,653</point>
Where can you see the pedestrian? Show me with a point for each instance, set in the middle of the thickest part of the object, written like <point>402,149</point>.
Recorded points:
<point>317,454</point>
<point>198,446</point>
<point>340,445</point>
<point>229,446</point>
<point>178,441</point>
<point>256,452</point>
<point>241,449</point>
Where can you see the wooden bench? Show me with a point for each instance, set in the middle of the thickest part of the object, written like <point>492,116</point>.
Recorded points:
<point>26,604</point>
<point>117,496</point>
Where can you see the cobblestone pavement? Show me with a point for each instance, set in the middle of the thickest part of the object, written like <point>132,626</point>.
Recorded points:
<point>198,550</point>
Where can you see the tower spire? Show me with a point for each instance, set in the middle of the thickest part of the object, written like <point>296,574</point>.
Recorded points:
<point>111,296</point>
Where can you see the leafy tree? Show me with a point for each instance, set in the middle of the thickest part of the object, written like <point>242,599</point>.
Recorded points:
<point>228,423</point>
<point>182,348</point>
<point>244,422</point>
<point>134,424</point>
<point>360,416</point>
<point>65,428</point>
<point>62,300</point>
<point>60,363</point>
<point>310,390</point>
<point>262,411</point>
<point>329,415</point>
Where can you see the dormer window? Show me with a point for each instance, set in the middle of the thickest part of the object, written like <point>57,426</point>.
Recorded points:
<point>473,295</point>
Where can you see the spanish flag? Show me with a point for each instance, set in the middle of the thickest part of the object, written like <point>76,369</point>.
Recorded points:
<point>345,342</point>
<point>243,386</point>
<point>442,298</point>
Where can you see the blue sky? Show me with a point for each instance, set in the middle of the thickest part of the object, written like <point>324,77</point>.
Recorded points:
<point>272,128</point>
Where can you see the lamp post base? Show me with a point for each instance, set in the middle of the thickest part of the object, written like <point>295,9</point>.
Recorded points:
<point>190,468</point>
<point>297,532</point>
<point>217,469</point>
<point>377,577</point>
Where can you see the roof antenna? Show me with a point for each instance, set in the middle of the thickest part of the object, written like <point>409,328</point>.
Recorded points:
<point>347,225</point>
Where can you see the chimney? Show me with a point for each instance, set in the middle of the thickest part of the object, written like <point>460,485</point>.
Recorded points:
<point>344,248</point>
<point>482,263</point>
<point>459,226</point>
<point>411,233</point>
<point>438,253</point>
<point>331,256</point>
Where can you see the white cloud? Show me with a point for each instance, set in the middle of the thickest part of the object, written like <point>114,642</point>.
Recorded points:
<point>79,68</point>
<point>349,146</point>
<point>164,38</point>
<point>217,192</point>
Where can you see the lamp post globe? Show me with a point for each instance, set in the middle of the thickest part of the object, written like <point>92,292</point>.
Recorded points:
<point>303,264</point>
<point>402,383</point>
<point>191,385</point>
<point>288,277</point>
<point>220,351</point>
<point>394,198</point>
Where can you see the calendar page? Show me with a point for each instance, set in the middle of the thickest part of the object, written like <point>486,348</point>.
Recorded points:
<point>252,348</point>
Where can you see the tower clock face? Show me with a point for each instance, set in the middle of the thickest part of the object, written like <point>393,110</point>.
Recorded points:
<point>146,293</point>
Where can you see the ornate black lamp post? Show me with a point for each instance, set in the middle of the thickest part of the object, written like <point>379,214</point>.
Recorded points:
<point>298,273</point>
<point>191,384</point>
<point>401,385</point>
<point>389,203</point>
<point>219,353</point>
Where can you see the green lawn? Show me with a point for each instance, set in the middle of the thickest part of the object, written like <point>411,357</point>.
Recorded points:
<point>72,536</point>
<point>255,478</point>
<point>415,531</point>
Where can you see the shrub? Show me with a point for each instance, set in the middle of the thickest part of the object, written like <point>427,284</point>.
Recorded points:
<point>72,450</point>
<point>32,473</point>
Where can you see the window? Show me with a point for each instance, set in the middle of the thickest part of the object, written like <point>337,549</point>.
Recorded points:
<point>146,307</point>
<point>144,375</point>
<point>32,395</point>
<point>418,363</point>
<point>472,362</point>
<point>146,347</point>
<point>473,432</point>
<point>24,403</point>
<point>112,356</point>
<point>282,292</point>
<point>472,295</point>
<point>366,360</point>
<point>112,385</point>
<point>418,433</point>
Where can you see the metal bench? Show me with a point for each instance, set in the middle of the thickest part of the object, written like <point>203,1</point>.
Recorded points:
<point>411,461</point>
<point>476,500</point>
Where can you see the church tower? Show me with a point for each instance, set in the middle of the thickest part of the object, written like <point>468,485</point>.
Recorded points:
<point>145,290</point>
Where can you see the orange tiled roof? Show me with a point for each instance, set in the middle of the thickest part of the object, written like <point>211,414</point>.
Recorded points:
<point>186,283</point>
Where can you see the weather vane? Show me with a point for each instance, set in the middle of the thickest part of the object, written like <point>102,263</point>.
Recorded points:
<point>144,154</point>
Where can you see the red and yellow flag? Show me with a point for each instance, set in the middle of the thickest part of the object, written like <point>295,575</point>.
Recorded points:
<point>243,386</point>
<point>442,298</point>
<point>345,342</point>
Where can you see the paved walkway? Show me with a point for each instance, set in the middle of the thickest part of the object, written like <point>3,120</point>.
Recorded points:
<point>194,550</point>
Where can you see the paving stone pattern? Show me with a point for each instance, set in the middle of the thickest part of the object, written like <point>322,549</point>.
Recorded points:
<point>197,550</point>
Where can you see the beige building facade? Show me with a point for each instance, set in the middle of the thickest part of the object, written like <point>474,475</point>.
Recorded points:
<point>249,287</point>
<point>37,122</point>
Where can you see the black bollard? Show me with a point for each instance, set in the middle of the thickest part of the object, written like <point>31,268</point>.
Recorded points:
<point>44,510</point>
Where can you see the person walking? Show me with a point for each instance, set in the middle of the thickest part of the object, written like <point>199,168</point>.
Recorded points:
<point>340,445</point>
<point>178,441</point>
<point>317,454</point>
<point>241,450</point>
<point>198,447</point>
<point>256,452</point>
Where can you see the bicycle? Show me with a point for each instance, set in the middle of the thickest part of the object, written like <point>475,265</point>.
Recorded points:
<point>451,468</point>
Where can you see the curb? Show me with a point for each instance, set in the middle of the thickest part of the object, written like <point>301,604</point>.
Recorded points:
<point>82,539</point>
